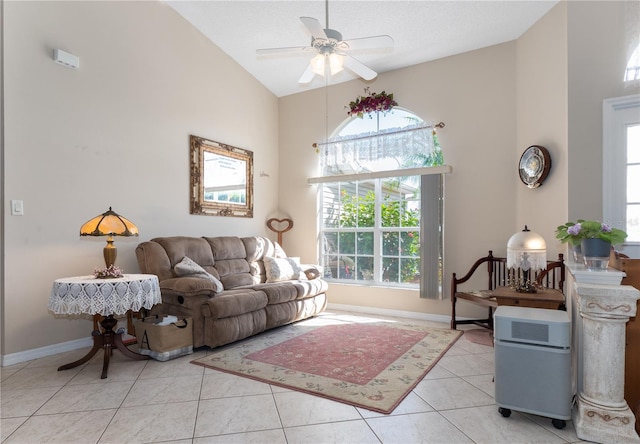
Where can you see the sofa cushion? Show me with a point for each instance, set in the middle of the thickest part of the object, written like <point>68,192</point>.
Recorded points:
<point>283,269</point>
<point>177,247</point>
<point>187,267</point>
<point>234,303</point>
<point>257,248</point>
<point>230,258</point>
<point>278,292</point>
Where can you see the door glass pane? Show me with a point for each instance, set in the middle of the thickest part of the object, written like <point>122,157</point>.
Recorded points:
<point>633,223</point>
<point>633,183</point>
<point>633,144</point>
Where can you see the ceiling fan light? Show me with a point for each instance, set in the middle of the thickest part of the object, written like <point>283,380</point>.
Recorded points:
<point>318,64</point>
<point>336,62</point>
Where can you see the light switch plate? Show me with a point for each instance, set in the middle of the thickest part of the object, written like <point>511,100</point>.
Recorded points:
<point>17,208</point>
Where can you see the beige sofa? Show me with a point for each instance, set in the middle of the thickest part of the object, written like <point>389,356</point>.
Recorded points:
<point>248,285</point>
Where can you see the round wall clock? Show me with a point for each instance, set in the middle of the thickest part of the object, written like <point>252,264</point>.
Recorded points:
<point>534,166</point>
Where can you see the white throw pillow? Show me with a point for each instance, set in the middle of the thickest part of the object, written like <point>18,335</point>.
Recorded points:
<point>187,267</point>
<point>282,269</point>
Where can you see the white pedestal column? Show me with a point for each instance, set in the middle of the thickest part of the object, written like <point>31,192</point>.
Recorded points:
<point>602,414</point>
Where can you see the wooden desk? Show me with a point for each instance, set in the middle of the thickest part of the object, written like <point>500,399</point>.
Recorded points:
<point>632,350</point>
<point>544,298</point>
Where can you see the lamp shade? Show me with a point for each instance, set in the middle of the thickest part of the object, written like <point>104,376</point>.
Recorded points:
<point>318,64</point>
<point>334,62</point>
<point>109,223</point>
<point>527,250</point>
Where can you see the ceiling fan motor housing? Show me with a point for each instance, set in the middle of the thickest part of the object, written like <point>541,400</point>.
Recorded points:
<point>329,45</point>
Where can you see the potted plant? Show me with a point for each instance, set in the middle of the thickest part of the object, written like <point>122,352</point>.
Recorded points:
<point>594,239</point>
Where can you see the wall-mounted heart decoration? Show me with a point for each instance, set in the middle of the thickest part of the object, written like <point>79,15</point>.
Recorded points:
<point>280,226</point>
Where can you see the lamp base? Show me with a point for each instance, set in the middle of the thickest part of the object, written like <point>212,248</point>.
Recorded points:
<point>110,253</point>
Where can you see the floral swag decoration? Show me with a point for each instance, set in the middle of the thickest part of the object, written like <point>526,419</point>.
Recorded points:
<point>371,102</point>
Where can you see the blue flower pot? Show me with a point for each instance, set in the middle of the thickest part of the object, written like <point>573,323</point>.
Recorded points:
<point>595,253</point>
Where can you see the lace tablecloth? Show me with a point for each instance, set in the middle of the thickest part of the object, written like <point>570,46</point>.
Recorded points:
<point>88,295</point>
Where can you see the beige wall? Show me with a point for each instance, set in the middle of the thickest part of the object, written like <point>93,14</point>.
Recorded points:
<point>597,60</point>
<point>113,133</point>
<point>542,120</point>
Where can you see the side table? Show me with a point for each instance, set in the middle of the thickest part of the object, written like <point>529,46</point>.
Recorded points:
<point>104,298</point>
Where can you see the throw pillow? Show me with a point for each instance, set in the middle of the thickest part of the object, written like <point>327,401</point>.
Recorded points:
<point>187,267</point>
<point>282,269</point>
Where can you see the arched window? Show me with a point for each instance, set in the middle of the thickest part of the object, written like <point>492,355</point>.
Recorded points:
<point>632,73</point>
<point>379,173</point>
<point>632,42</point>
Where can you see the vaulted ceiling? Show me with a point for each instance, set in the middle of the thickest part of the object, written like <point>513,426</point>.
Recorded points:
<point>422,31</point>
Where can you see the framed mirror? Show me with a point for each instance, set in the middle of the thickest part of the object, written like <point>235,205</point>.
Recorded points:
<point>221,179</point>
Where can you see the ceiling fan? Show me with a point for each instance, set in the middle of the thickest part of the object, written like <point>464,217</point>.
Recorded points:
<point>331,51</point>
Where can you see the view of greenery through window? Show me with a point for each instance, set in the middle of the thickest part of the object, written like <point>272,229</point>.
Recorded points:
<point>352,246</point>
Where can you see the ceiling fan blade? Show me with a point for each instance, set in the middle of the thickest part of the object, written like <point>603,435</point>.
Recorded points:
<point>290,49</point>
<point>314,27</point>
<point>359,68</point>
<point>378,41</point>
<point>307,75</point>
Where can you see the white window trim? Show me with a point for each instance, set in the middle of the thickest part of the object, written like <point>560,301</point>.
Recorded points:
<point>421,171</point>
<point>614,177</point>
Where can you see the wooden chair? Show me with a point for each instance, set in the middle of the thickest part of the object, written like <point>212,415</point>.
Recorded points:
<point>498,275</point>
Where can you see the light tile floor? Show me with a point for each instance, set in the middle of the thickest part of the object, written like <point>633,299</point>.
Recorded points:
<point>178,402</point>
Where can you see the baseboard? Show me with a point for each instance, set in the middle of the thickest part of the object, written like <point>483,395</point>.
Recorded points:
<point>29,355</point>
<point>395,313</point>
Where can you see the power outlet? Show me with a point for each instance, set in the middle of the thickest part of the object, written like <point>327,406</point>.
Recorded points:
<point>17,208</point>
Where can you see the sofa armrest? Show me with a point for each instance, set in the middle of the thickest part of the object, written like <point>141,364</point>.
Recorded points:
<point>188,286</point>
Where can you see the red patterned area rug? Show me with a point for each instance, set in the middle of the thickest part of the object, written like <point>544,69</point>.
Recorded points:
<point>364,362</point>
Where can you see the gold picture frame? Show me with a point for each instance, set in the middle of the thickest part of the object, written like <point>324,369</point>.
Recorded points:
<point>221,179</point>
